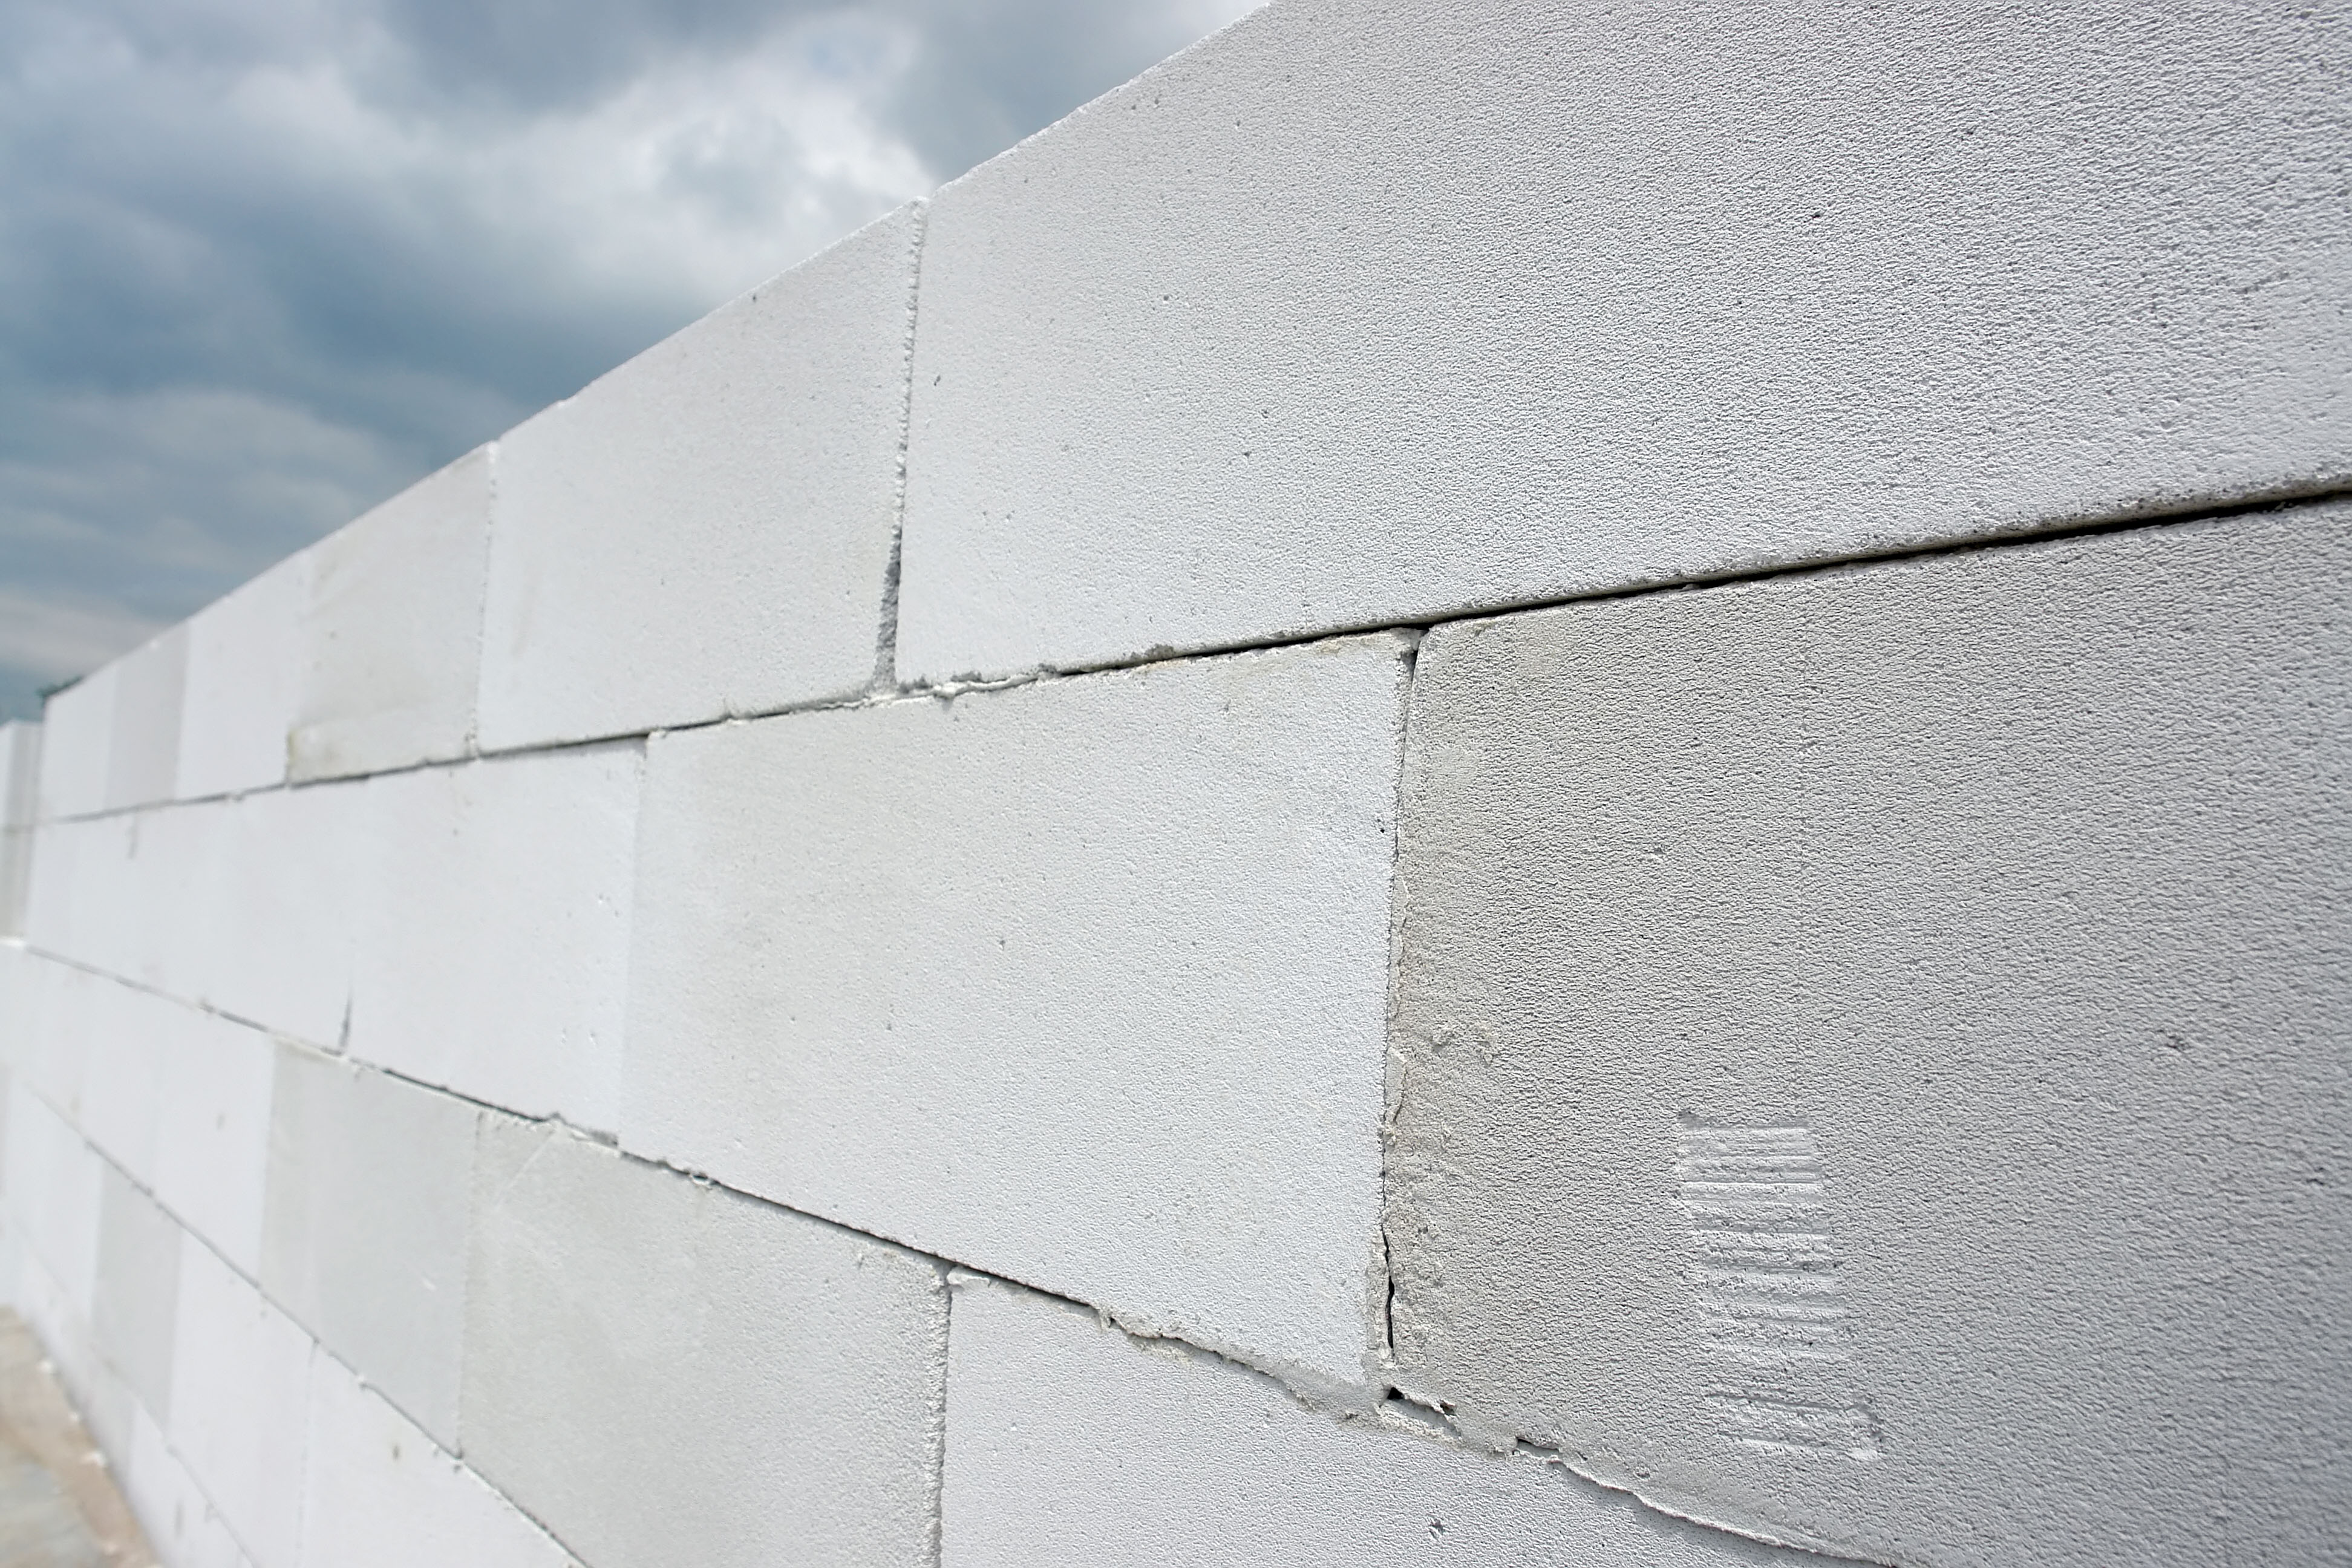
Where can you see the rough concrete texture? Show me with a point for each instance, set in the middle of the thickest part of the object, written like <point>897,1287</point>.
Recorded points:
<point>707,529</point>
<point>136,1308</point>
<point>493,928</point>
<point>1069,1443</point>
<point>77,733</point>
<point>1079,983</point>
<point>242,905</point>
<point>664,1371</point>
<point>240,1372</point>
<point>187,1531</point>
<point>1869,1052</point>
<point>20,765</point>
<point>142,760</point>
<point>50,1178</point>
<point>371,1182</point>
<point>377,1493</point>
<point>392,629</point>
<point>1367,311</point>
<point>243,663</point>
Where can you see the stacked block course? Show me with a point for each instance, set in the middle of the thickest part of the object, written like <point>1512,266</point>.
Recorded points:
<point>1491,783</point>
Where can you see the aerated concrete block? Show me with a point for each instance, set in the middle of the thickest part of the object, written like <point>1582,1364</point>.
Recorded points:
<point>707,529</point>
<point>211,1130</point>
<point>20,773</point>
<point>20,765</point>
<point>1869,1046</point>
<point>378,1494</point>
<point>1070,1443</point>
<point>77,736</point>
<point>180,1522</point>
<point>245,659</point>
<point>664,1371</point>
<point>241,905</point>
<point>143,758</point>
<point>240,1372</point>
<point>136,1308</point>
<point>1361,313</point>
<point>492,951</point>
<point>1081,982</point>
<point>393,630</point>
<point>371,1184</point>
<point>50,1183</point>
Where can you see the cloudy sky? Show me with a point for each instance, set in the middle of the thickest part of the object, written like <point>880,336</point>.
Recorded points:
<point>264,262</point>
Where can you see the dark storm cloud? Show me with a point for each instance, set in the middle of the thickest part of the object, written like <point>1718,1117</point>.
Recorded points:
<point>264,262</point>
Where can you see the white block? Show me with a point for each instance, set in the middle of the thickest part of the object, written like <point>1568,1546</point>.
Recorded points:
<point>243,905</point>
<point>371,1181</point>
<point>211,1130</point>
<point>392,631</point>
<point>240,1370</point>
<point>1081,982</point>
<point>143,758</point>
<point>180,1521</point>
<point>50,1180</point>
<point>1871,1046</point>
<point>134,1310</point>
<point>244,668</point>
<point>116,1034</point>
<point>50,1045</point>
<point>378,1493</point>
<point>494,951</point>
<point>20,772</point>
<point>1361,313</point>
<point>1068,1443</point>
<point>707,530</point>
<point>664,1371</point>
<point>76,738</point>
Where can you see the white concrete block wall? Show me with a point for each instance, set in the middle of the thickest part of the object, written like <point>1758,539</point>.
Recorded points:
<point>244,665</point>
<point>663,1371</point>
<point>1070,1442</point>
<point>491,929</point>
<point>1082,983</point>
<point>369,1186</point>
<point>143,759</point>
<point>711,528</point>
<point>1367,311</point>
<point>391,630</point>
<point>20,765</point>
<point>997,758</point>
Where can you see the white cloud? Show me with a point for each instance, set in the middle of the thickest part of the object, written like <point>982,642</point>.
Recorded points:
<point>53,639</point>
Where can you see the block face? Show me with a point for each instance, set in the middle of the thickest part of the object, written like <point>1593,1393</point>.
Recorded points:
<point>379,1494</point>
<point>493,949</point>
<point>663,1372</point>
<point>20,772</point>
<point>78,736</point>
<point>1070,1443</point>
<point>142,760</point>
<point>240,1373</point>
<point>51,1184</point>
<point>246,658</point>
<point>1247,349</point>
<point>135,1309</point>
<point>212,1130</point>
<point>1849,1026</point>
<point>243,905</point>
<point>707,530</point>
<point>1082,983</point>
<point>370,1183</point>
<point>392,634</point>
<point>20,765</point>
<point>181,1524</point>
